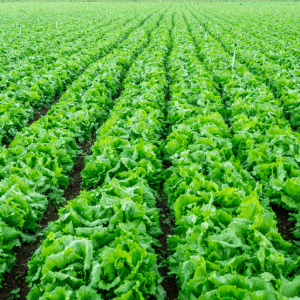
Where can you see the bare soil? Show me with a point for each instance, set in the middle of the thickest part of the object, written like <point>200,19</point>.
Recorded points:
<point>169,281</point>
<point>43,111</point>
<point>284,225</point>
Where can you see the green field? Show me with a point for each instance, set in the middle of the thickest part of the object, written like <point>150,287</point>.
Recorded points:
<point>150,150</point>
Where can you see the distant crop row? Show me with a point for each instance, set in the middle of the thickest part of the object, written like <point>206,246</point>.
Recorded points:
<point>34,81</point>
<point>273,59</point>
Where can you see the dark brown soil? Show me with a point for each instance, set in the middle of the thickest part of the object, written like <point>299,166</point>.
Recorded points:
<point>166,225</point>
<point>169,282</point>
<point>43,111</point>
<point>15,279</point>
<point>284,225</point>
<point>167,99</point>
<point>115,97</point>
<point>74,187</point>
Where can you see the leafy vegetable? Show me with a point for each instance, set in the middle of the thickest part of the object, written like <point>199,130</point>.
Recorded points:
<point>38,161</point>
<point>103,241</point>
<point>226,244</point>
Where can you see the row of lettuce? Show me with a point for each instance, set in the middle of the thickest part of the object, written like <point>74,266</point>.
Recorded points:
<point>22,91</point>
<point>263,140</point>
<point>16,48</point>
<point>280,75</point>
<point>44,46</point>
<point>36,165</point>
<point>274,35</point>
<point>276,42</point>
<point>44,29</point>
<point>226,244</point>
<point>102,246</point>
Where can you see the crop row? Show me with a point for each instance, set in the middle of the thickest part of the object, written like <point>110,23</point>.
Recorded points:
<point>40,28</point>
<point>16,47</point>
<point>56,43</point>
<point>283,82</point>
<point>226,244</point>
<point>275,39</point>
<point>102,244</point>
<point>39,88</point>
<point>37,163</point>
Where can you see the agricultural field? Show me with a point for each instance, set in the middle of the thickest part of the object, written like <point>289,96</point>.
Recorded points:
<point>150,150</point>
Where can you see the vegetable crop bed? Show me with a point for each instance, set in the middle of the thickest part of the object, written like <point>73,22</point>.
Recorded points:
<point>149,151</point>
